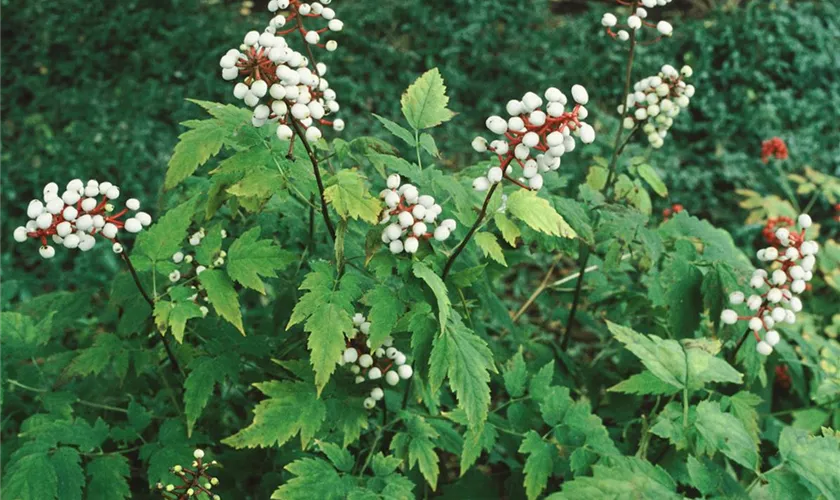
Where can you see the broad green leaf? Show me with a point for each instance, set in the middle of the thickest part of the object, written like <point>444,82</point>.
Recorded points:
<point>175,315</point>
<point>597,177</point>
<point>314,478</point>
<point>385,309</point>
<point>510,232</point>
<point>538,465</point>
<point>417,444</point>
<point>438,288</point>
<point>644,383</point>
<point>815,459</point>
<point>620,478</point>
<point>490,247</point>
<point>650,176</point>
<point>340,457</point>
<point>383,466</point>
<point>516,375</point>
<point>223,296</point>
<point>725,433</point>
<point>160,241</point>
<point>555,404</point>
<point>194,148</point>
<point>466,360</point>
<point>205,373</point>
<point>396,129</point>
<point>30,477</point>
<point>291,408</point>
<point>250,258</point>
<point>538,213</point>
<point>68,469</point>
<point>427,142</point>
<point>574,212</point>
<point>712,480</point>
<point>108,478</point>
<point>743,405</point>
<point>476,440</point>
<point>424,103</point>
<point>350,198</point>
<point>541,382</point>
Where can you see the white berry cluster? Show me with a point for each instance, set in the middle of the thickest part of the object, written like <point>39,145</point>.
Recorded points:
<point>72,218</point>
<point>410,217</point>
<point>197,481</point>
<point>534,138</point>
<point>188,268</point>
<point>657,100</point>
<point>367,364</point>
<point>636,20</point>
<point>291,82</point>
<point>776,297</point>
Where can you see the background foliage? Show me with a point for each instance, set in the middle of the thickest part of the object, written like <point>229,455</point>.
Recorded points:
<point>112,108</point>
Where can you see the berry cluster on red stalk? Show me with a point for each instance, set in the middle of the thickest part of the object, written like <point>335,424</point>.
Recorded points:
<point>298,94</point>
<point>196,481</point>
<point>775,148</point>
<point>373,364</point>
<point>409,217</point>
<point>81,212</point>
<point>773,224</point>
<point>790,263</point>
<point>636,20</point>
<point>533,138</point>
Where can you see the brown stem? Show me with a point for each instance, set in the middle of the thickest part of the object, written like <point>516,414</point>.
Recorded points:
<point>472,231</point>
<point>318,180</point>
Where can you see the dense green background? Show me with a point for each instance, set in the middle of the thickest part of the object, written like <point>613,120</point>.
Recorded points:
<point>97,89</point>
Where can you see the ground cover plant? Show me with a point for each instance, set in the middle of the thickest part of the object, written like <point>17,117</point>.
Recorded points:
<point>307,313</point>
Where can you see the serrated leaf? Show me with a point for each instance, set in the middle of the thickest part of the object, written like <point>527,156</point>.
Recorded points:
<point>490,247</point>
<point>205,373</point>
<point>815,459</point>
<point>620,477</point>
<point>644,383</point>
<point>68,469</point>
<point>250,258</point>
<point>30,477</point>
<point>510,232</point>
<point>712,480</point>
<point>396,129</point>
<point>541,381</point>
<point>175,315</point>
<point>516,375</point>
<point>466,360</point>
<point>385,309</point>
<point>538,465</point>
<point>194,148</point>
<point>382,465</point>
<point>438,288</point>
<point>725,433</point>
<point>424,102</point>
<point>160,241</point>
<point>350,198</point>
<point>427,142</point>
<point>291,408</point>
<point>223,296</point>
<point>417,445</point>
<point>650,176</point>
<point>108,478</point>
<point>554,405</point>
<point>340,457</point>
<point>311,475</point>
<point>538,213</point>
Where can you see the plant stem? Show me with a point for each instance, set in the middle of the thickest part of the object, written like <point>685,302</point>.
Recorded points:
<point>317,171</point>
<point>811,203</point>
<point>417,148</point>
<point>786,187</point>
<point>617,149</point>
<point>734,353</point>
<point>472,231</point>
<point>166,346</point>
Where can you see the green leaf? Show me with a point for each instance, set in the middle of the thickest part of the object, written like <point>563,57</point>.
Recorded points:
<point>743,405</point>
<point>712,480</point>
<point>427,142</point>
<point>723,432</point>
<point>596,178</point>
<point>250,258</point>
<point>205,373</point>
<point>490,247</point>
<point>339,456</point>
<point>30,477</point>
<point>164,238</point>
<point>815,459</point>
<point>291,408</point>
<point>574,212</point>
<point>510,232</point>
<point>541,382</point>
<point>194,148</point>
<point>424,102</point>
<point>108,478</point>
<point>644,383</point>
<point>538,213</point>
<point>555,404</point>
<point>466,360</point>
<point>223,296</point>
<point>68,469</point>
<point>650,176</point>
<point>417,444</point>
<point>538,465</point>
<point>315,478</point>
<point>621,477</point>
<point>385,309</point>
<point>383,466</point>
<point>175,315</point>
<point>516,375</point>
<point>350,198</point>
<point>396,129</point>
<point>438,288</point>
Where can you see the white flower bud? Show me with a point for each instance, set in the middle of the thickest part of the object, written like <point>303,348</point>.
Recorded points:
<point>368,403</point>
<point>198,454</point>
